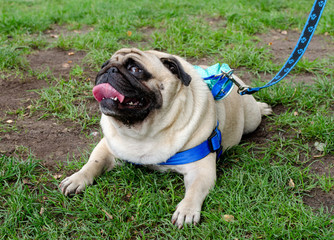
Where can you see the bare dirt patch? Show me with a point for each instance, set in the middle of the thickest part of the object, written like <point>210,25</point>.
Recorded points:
<point>16,91</point>
<point>55,31</point>
<point>283,42</point>
<point>323,165</point>
<point>58,61</point>
<point>48,139</point>
<point>318,198</point>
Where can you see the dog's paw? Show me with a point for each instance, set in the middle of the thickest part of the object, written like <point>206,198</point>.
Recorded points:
<point>265,109</point>
<point>76,183</point>
<point>186,213</point>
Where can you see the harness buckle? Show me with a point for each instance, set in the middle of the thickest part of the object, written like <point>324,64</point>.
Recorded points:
<point>214,140</point>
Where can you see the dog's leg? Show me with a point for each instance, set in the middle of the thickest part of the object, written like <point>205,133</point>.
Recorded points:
<point>99,161</point>
<point>199,177</point>
<point>253,112</point>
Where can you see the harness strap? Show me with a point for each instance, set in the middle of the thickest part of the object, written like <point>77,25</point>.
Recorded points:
<point>212,144</point>
<point>300,48</point>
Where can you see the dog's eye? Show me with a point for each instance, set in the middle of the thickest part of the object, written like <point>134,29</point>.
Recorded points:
<point>135,69</point>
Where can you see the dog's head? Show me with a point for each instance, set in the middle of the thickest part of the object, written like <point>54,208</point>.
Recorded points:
<point>134,83</point>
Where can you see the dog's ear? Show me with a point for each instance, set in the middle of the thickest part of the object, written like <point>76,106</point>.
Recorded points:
<point>176,68</point>
<point>105,64</point>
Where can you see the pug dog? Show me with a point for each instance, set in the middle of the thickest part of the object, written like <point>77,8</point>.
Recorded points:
<point>155,105</point>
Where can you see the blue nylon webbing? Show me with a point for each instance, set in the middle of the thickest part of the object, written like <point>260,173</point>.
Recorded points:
<point>300,48</point>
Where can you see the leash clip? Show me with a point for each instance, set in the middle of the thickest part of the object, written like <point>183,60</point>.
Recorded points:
<point>229,75</point>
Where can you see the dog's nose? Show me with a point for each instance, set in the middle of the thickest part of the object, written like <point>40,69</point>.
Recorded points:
<point>112,70</point>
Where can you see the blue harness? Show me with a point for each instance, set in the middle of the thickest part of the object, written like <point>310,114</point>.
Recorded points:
<point>212,144</point>
<point>218,79</point>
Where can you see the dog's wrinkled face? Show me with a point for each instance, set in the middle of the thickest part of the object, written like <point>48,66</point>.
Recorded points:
<point>124,86</point>
<point>121,92</point>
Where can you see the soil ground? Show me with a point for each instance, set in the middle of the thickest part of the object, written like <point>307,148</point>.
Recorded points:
<point>53,141</point>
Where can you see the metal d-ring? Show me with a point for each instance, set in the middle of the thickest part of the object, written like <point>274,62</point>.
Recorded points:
<point>241,87</point>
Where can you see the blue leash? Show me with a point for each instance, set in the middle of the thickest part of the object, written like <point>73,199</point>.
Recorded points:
<point>299,50</point>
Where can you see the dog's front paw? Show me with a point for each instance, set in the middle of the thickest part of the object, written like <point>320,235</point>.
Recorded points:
<point>76,183</point>
<point>186,212</point>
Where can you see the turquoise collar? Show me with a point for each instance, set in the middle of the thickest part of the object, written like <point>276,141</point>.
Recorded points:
<point>218,78</point>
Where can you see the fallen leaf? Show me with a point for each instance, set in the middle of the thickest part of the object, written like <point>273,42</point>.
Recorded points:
<point>229,218</point>
<point>25,181</point>
<point>284,32</point>
<point>41,211</point>
<point>326,33</point>
<point>29,107</point>
<point>131,219</point>
<point>94,134</point>
<point>9,121</point>
<point>57,176</point>
<point>108,215</point>
<point>291,183</point>
<point>129,33</point>
<point>318,156</point>
<point>320,146</point>
<point>70,53</point>
<point>69,61</point>
<point>65,65</point>
<point>295,113</point>
<point>54,36</point>
<point>77,31</point>
<point>270,43</point>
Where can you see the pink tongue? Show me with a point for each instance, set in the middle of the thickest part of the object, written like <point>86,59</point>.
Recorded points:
<point>105,90</point>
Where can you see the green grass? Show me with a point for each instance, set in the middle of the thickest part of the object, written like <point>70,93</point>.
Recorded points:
<point>253,179</point>
<point>141,202</point>
<point>67,100</point>
<point>177,27</point>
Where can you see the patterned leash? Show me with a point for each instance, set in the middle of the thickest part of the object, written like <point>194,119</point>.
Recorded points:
<point>297,53</point>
